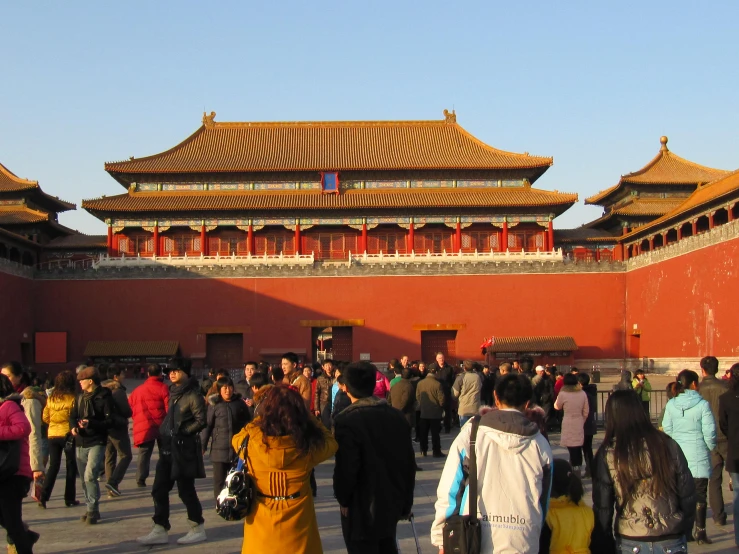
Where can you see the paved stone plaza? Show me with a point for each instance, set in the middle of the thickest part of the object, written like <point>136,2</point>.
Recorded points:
<point>128,517</point>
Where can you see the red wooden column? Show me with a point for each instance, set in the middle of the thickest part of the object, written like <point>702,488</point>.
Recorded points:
<point>695,227</point>
<point>363,246</point>
<point>651,243</point>
<point>623,250</point>
<point>710,220</point>
<point>250,239</point>
<point>550,235</point>
<point>110,239</point>
<point>155,238</point>
<point>203,240</point>
<point>730,211</point>
<point>411,238</point>
<point>297,238</point>
<point>458,238</point>
<point>504,237</point>
<point>680,232</point>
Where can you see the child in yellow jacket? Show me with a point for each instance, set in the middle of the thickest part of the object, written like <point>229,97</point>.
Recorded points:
<point>569,522</point>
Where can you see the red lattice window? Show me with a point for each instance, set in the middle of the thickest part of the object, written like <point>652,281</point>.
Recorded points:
<point>228,245</point>
<point>124,245</point>
<point>330,246</point>
<point>275,244</point>
<point>434,242</point>
<point>179,245</point>
<point>482,241</point>
<point>387,243</point>
<point>529,241</point>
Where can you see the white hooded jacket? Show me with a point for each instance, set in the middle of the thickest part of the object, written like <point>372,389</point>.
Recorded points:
<point>514,464</point>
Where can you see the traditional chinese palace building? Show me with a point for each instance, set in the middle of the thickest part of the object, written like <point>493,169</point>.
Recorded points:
<point>29,228</point>
<point>328,189</point>
<point>638,198</point>
<point>370,240</point>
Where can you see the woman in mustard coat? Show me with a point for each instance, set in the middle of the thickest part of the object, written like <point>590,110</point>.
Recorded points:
<point>285,443</point>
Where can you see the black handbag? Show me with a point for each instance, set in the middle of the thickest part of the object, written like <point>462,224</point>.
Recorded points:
<point>237,497</point>
<point>10,459</point>
<point>463,534</point>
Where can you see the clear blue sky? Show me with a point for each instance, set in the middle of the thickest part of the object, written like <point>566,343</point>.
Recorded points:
<point>594,84</point>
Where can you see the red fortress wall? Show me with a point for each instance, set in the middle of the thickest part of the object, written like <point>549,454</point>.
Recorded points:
<point>16,316</point>
<point>687,306</point>
<point>587,306</point>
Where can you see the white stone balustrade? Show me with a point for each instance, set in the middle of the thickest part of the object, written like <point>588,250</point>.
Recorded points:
<point>203,261</point>
<point>453,257</point>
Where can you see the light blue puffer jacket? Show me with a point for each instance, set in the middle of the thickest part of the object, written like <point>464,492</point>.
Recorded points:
<point>689,421</point>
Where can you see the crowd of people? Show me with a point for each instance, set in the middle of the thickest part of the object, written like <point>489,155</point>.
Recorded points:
<point>651,484</point>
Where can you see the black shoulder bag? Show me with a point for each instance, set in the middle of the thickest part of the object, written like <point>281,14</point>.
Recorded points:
<point>237,497</point>
<point>463,534</point>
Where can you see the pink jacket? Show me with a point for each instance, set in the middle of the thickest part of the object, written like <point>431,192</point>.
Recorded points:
<point>149,402</point>
<point>574,402</point>
<point>14,426</point>
<point>382,386</point>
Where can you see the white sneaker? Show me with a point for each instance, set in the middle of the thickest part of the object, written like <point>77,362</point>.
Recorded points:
<point>158,535</point>
<point>194,535</point>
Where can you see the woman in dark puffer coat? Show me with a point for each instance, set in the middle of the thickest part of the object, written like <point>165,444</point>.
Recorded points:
<point>227,415</point>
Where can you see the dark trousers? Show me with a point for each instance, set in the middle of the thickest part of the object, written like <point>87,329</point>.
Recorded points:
<point>220,470</point>
<point>418,423</point>
<point>118,457</point>
<point>575,455</point>
<point>645,404</point>
<point>12,493</point>
<point>434,425</point>
<point>384,545</point>
<point>163,484</point>
<point>587,451</point>
<point>144,459</point>
<point>715,494</point>
<point>56,451</point>
<point>447,410</point>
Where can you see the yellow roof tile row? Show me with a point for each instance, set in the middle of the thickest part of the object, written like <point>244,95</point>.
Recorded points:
<point>311,200</point>
<point>328,146</point>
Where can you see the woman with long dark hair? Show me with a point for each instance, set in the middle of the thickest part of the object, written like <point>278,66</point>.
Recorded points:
<point>689,420</point>
<point>56,416</point>
<point>15,428</point>
<point>642,475</point>
<point>285,443</point>
<point>728,421</point>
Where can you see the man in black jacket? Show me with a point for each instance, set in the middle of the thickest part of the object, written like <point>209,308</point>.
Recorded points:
<point>181,458</point>
<point>118,453</point>
<point>90,419</point>
<point>375,468</point>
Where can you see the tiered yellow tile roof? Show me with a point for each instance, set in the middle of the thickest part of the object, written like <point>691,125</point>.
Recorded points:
<point>665,168</point>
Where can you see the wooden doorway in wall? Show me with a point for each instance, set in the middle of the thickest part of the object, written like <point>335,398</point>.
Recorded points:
<point>439,341</point>
<point>333,343</point>
<point>635,346</point>
<point>224,350</point>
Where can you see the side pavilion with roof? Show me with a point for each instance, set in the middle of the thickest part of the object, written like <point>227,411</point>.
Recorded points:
<point>636,200</point>
<point>328,189</point>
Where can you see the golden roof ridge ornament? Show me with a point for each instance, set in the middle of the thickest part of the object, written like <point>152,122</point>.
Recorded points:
<point>450,117</point>
<point>663,142</point>
<point>209,120</point>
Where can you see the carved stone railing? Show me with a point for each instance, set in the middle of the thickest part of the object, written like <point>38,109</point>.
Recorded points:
<point>685,245</point>
<point>14,268</point>
<point>203,261</point>
<point>457,257</point>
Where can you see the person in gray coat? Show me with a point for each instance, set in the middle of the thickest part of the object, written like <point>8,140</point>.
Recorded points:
<point>403,396</point>
<point>467,388</point>
<point>432,400</point>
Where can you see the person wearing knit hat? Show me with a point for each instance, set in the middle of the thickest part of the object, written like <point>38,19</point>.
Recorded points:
<point>95,415</point>
<point>181,457</point>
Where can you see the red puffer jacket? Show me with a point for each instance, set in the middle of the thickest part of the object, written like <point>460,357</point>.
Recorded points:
<point>149,407</point>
